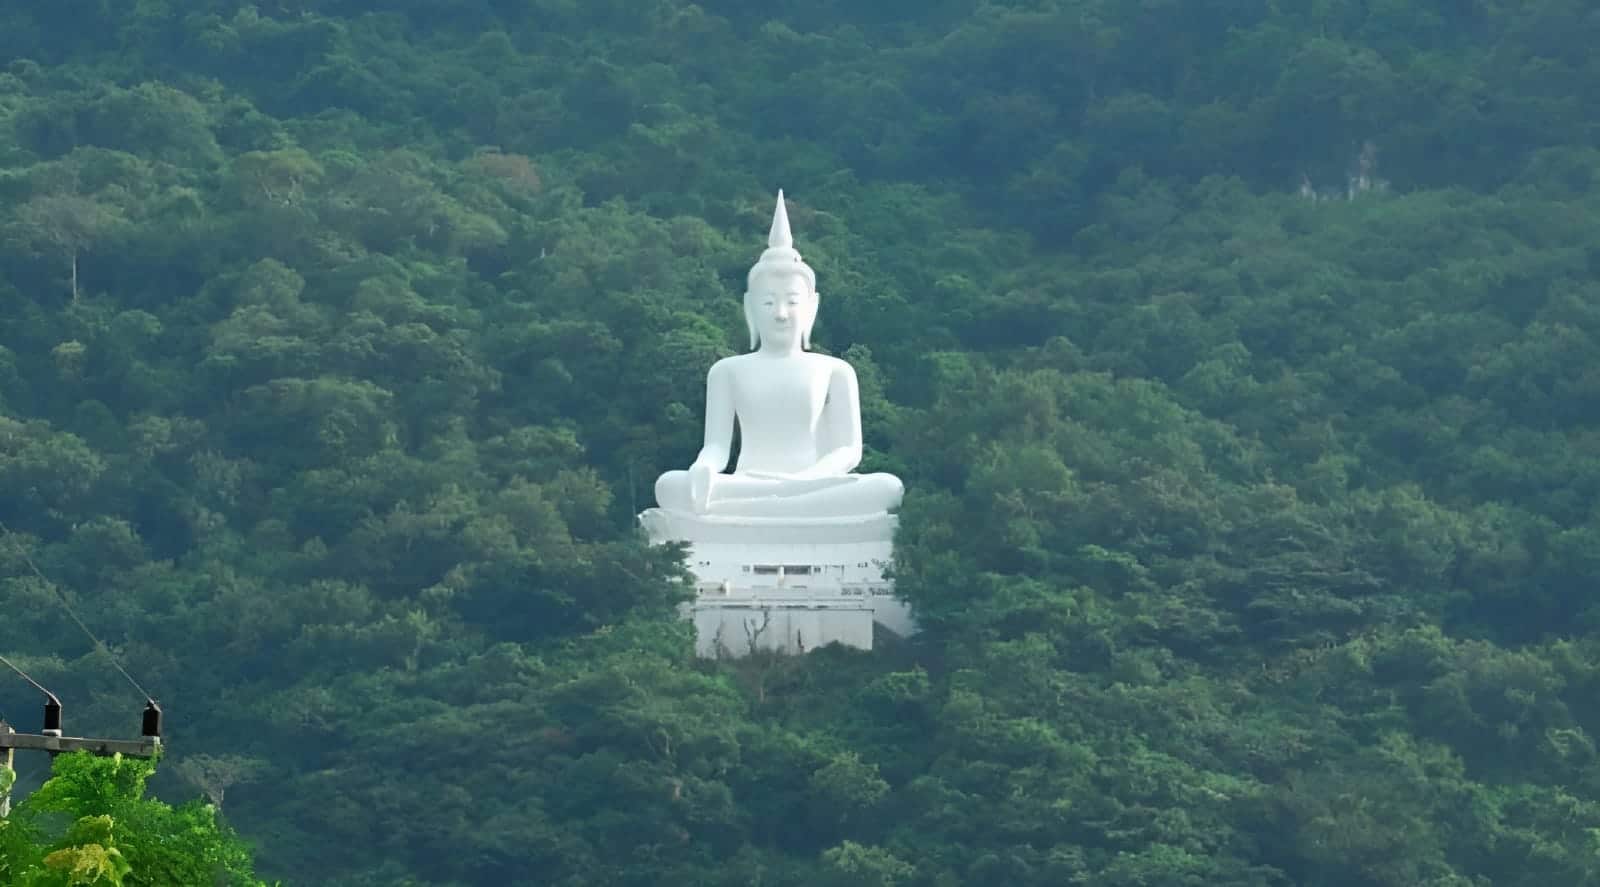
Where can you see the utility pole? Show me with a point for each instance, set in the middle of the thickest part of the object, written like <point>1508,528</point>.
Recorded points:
<point>50,740</point>
<point>9,756</point>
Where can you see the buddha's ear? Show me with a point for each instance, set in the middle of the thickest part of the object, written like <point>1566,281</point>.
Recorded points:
<point>805,331</point>
<point>750,322</point>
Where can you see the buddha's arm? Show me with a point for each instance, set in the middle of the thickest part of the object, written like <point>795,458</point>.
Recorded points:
<point>842,415</point>
<point>718,445</point>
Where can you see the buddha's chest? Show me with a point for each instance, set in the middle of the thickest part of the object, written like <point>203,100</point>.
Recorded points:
<point>792,392</point>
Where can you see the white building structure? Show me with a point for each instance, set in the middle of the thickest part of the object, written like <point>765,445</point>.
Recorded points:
<point>788,586</point>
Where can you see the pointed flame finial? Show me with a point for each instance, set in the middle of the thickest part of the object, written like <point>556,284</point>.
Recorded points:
<point>780,250</point>
<point>781,237</point>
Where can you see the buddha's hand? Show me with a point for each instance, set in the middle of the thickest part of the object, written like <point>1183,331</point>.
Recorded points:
<point>700,488</point>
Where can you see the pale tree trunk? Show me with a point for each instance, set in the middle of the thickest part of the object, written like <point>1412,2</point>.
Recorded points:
<point>74,277</point>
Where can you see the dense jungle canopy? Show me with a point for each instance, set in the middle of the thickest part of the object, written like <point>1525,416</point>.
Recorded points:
<point>1242,360</point>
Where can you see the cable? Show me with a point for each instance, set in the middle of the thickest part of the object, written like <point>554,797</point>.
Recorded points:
<point>68,607</point>
<point>36,685</point>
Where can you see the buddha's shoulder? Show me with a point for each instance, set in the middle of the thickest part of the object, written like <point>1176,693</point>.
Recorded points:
<point>810,361</point>
<point>729,365</point>
<point>832,365</point>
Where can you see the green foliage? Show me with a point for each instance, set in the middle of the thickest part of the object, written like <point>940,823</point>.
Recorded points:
<point>1239,359</point>
<point>91,824</point>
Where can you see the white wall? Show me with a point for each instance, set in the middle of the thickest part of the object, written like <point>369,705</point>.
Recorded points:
<point>735,629</point>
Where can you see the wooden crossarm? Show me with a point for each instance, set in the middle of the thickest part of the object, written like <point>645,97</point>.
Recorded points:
<point>133,748</point>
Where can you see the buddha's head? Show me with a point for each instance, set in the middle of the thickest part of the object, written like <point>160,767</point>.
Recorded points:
<point>780,299</point>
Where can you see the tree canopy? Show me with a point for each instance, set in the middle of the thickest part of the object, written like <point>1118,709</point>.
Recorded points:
<point>1239,358</point>
<point>91,824</point>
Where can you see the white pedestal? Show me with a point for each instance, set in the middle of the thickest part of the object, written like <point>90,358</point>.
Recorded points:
<point>736,625</point>
<point>785,585</point>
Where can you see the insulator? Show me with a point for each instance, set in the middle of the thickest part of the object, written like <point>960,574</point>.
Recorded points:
<point>52,717</point>
<point>151,725</point>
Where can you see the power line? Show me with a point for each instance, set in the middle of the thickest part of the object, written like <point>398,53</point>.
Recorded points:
<point>65,605</point>
<point>24,675</point>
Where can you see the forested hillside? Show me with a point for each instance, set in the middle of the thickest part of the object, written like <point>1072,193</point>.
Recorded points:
<point>1242,361</point>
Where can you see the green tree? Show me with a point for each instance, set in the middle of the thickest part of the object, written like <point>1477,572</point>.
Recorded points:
<point>91,824</point>
<point>66,225</point>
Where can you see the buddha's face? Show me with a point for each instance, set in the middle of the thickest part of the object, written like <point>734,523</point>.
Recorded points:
<point>781,309</point>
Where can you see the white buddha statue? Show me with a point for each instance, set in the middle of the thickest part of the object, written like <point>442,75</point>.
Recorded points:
<point>798,413</point>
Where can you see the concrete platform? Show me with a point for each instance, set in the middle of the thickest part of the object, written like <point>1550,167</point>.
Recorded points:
<point>789,585</point>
